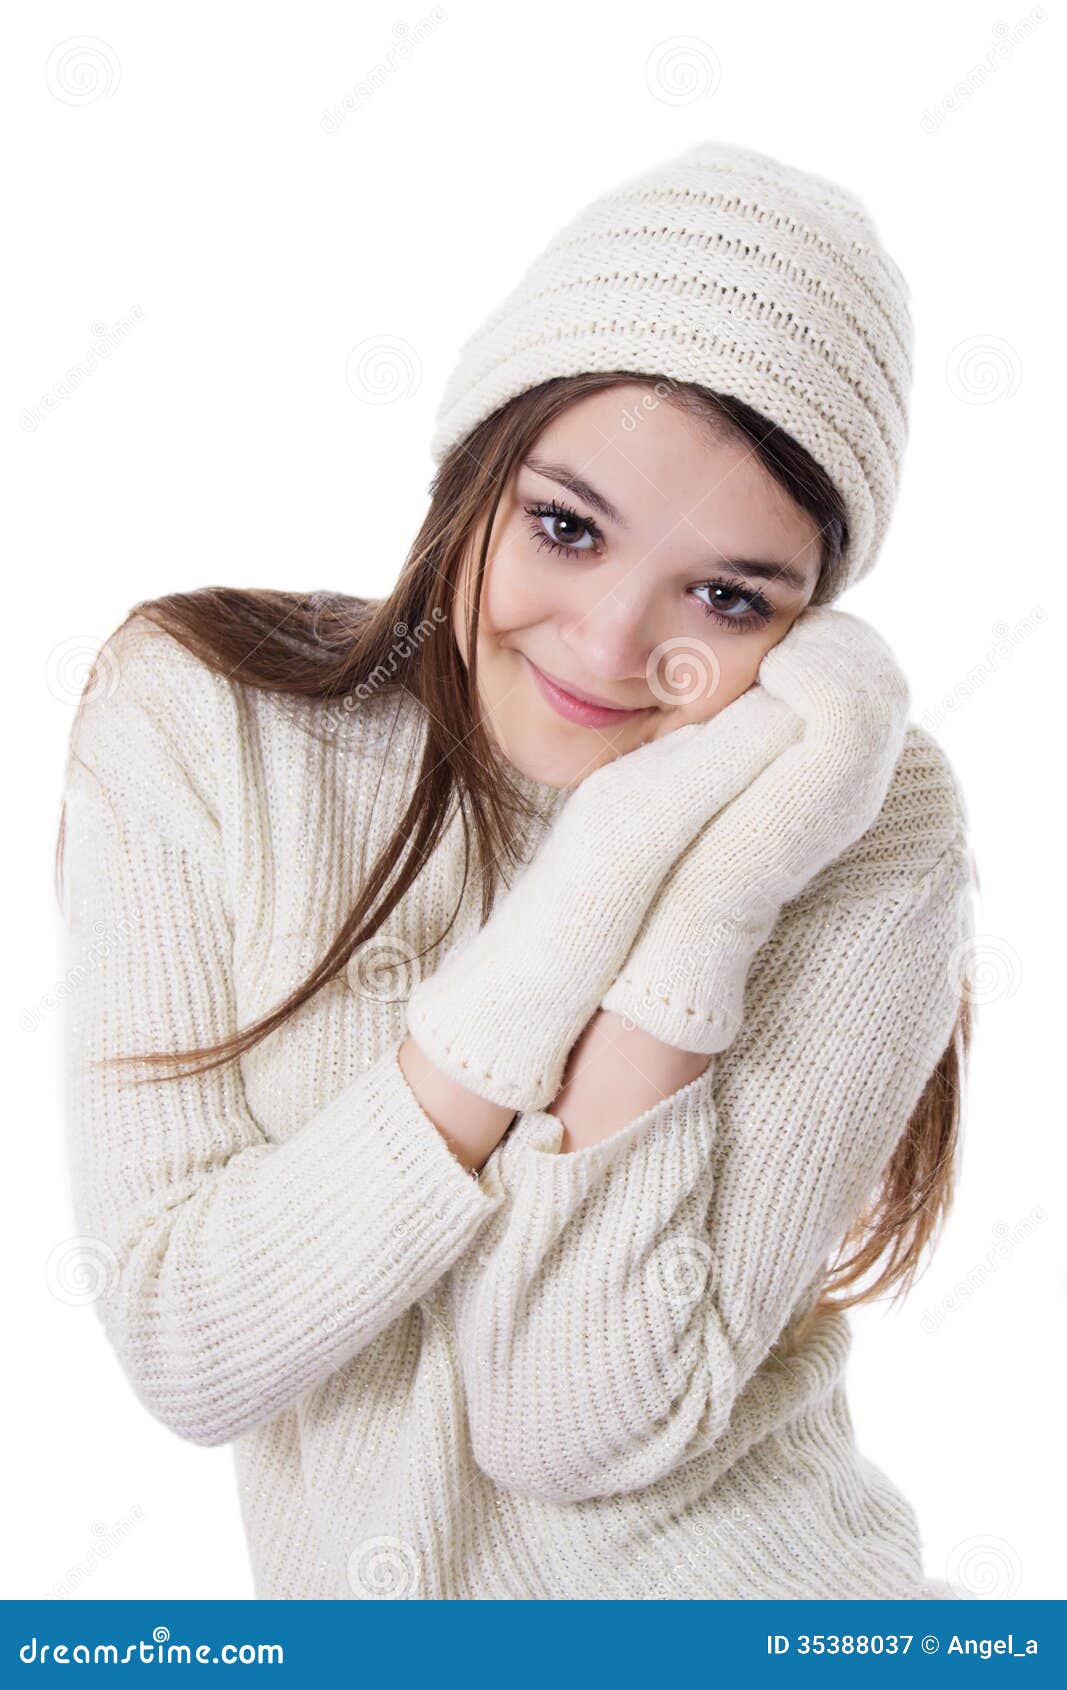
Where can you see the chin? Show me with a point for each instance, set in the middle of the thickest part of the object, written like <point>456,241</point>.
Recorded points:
<point>546,771</point>
<point>549,765</point>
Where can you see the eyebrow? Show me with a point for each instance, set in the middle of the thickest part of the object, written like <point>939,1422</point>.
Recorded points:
<point>763,569</point>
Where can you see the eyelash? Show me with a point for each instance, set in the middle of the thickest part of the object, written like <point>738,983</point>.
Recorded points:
<point>761,608</point>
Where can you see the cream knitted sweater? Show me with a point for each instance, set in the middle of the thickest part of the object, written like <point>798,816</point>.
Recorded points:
<point>571,1377</point>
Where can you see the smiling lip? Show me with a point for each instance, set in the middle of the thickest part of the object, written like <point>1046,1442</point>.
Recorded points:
<point>576,709</point>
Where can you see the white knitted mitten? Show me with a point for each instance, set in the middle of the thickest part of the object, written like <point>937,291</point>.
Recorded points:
<point>684,979</point>
<point>501,1013</point>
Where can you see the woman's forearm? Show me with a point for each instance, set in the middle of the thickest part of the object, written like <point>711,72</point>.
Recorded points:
<point>471,1126</point>
<point>614,1073</point>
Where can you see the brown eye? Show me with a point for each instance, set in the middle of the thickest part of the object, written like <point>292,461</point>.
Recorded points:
<point>561,529</point>
<point>755,609</point>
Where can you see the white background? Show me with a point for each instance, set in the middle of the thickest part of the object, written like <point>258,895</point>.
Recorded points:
<point>200,177</point>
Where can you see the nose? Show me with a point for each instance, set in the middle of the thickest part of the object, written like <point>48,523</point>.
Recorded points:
<point>608,628</point>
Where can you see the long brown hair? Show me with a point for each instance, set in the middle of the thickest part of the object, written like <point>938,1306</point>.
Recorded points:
<point>335,649</point>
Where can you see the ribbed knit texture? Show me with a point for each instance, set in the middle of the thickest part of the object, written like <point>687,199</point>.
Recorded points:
<point>738,271</point>
<point>572,1377</point>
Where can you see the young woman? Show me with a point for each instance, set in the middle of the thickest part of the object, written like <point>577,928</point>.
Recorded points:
<point>517,1014</point>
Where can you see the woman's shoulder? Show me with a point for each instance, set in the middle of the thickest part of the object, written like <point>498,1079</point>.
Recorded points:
<point>923,823</point>
<point>165,735</point>
<point>147,733</point>
<point>142,671</point>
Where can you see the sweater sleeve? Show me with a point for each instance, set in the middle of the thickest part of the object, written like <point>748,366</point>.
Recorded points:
<point>232,1274</point>
<point>618,1303</point>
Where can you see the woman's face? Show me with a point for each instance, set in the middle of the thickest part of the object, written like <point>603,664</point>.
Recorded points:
<point>639,563</point>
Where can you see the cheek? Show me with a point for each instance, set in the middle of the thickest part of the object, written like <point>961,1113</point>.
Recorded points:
<point>724,666</point>
<point>515,594</point>
<point>740,656</point>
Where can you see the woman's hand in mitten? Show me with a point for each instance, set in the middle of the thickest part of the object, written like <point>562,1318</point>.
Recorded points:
<point>501,1013</point>
<point>684,979</point>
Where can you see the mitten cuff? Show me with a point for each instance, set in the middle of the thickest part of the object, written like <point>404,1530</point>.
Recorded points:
<point>693,1003</point>
<point>670,1016</point>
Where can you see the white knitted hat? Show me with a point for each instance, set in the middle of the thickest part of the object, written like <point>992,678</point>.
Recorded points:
<point>725,267</point>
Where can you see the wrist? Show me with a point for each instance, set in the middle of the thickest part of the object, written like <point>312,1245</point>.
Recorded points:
<point>471,1125</point>
<point>616,1072</point>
